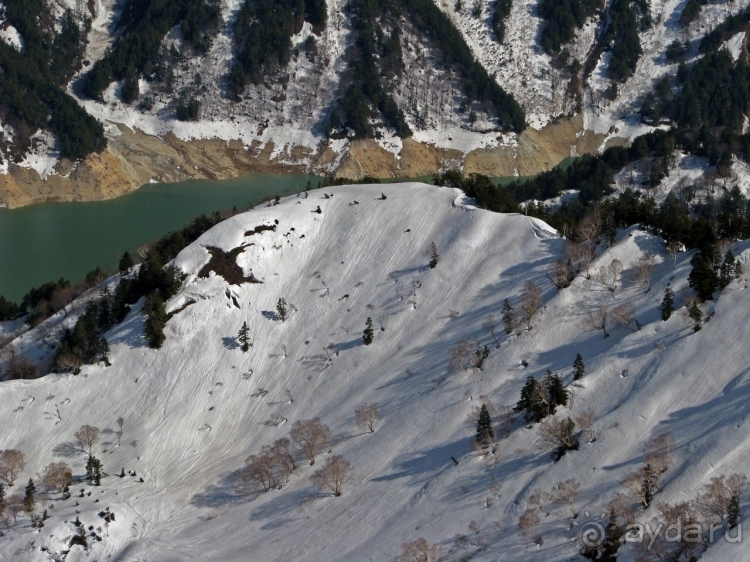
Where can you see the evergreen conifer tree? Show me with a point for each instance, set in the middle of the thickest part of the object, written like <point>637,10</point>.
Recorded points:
<point>509,317</point>
<point>2,494</point>
<point>727,272</point>
<point>579,369</point>
<point>647,492</point>
<point>126,262</point>
<point>281,309</point>
<point>526,402</point>
<point>735,512</point>
<point>434,257</point>
<point>703,278</point>
<point>485,432</point>
<point>696,315</point>
<point>244,337</point>
<point>558,396</point>
<point>94,470</point>
<point>156,318</point>
<point>368,334</point>
<point>667,303</point>
<point>28,500</point>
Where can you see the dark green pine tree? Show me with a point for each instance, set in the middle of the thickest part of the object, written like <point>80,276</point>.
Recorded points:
<point>703,278</point>
<point>2,494</point>
<point>243,337</point>
<point>526,402</point>
<point>509,317</point>
<point>434,257</point>
<point>727,272</point>
<point>126,262</point>
<point>696,315</point>
<point>558,396</point>
<point>156,318</point>
<point>735,512</point>
<point>647,492</point>
<point>94,470</point>
<point>368,334</point>
<point>579,369</point>
<point>485,432</point>
<point>28,499</point>
<point>104,351</point>
<point>667,303</point>
<point>281,309</point>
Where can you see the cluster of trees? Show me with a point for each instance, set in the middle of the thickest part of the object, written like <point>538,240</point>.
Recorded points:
<point>30,92</point>
<point>500,12</point>
<point>376,55</point>
<point>144,24</point>
<point>540,398</point>
<point>85,343</point>
<point>562,18</point>
<point>275,463</point>
<point>628,18</point>
<point>262,34</point>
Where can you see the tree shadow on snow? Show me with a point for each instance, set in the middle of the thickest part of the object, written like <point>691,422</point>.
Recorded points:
<point>279,508</point>
<point>223,493</point>
<point>270,315</point>
<point>67,449</point>
<point>230,342</point>
<point>430,460</point>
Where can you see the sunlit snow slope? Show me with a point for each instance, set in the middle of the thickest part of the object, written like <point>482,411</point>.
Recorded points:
<point>193,410</point>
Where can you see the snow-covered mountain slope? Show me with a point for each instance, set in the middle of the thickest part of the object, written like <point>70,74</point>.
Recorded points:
<point>196,408</point>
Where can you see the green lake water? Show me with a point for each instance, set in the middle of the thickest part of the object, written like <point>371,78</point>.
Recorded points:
<point>44,242</point>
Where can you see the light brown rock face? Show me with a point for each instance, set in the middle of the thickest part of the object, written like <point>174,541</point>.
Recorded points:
<point>134,158</point>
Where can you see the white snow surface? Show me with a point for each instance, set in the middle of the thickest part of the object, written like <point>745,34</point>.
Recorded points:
<point>192,410</point>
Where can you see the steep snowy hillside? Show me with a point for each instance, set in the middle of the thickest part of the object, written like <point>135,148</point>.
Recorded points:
<point>195,409</point>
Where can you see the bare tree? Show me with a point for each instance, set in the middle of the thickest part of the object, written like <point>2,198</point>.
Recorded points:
<point>585,420</point>
<point>15,505</point>
<point>88,436</point>
<point>597,319</point>
<point>489,325</point>
<point>642,270</point>
<point>557,432</point>
<point>308,435</point>
<point>715,500</point>
<point>418,551</point>
<point>528,523</point>
<point>12,461</point>
<point>621,505</point>
<point>562,273</point>
<point>467,354</point>
<point>258,470</point>
<point>333,475</point>
<point>539,499</point>
<point>623,315</point>
<point>281,455</point>
<point>609,275</point>
<point>531,301</point>
<point>566,491</point>
<point>673,248</point>
<point>679,518</point>
<point>305,504</point>
<point>58,476</point>
<point>366,415</point>
<point>657,452</point>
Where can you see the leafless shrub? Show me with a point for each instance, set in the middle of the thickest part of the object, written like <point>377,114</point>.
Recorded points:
<point>58,476</point>
<point>490,325</point>
<point>609,275</point>
<point>12,461</point>
<point>641,483</point>
<point>452,314</point>
<point>366,415</point>
<point>531,301</point>
<point>258,470</point>
<point>622,506</point>
<point>684,522</point>
<point>504,421</point>
<point>539,499</point>
<point>657,452</point>
<point>333,475</point>
<point>585,420</point>
<point>281,455</point>
<point>642,270</point>
<point>418,551</point>
<point>308,435</point>
<point>20,367</point>
<point>68,362</point>
<point>566,492</point>
<point>528,523</point>
<point>561,273</point>
<point>467,354</point>
<point>557,432</point>
<point>88,436</point>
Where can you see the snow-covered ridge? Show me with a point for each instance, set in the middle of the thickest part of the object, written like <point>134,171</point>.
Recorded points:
<point>196,408</point>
